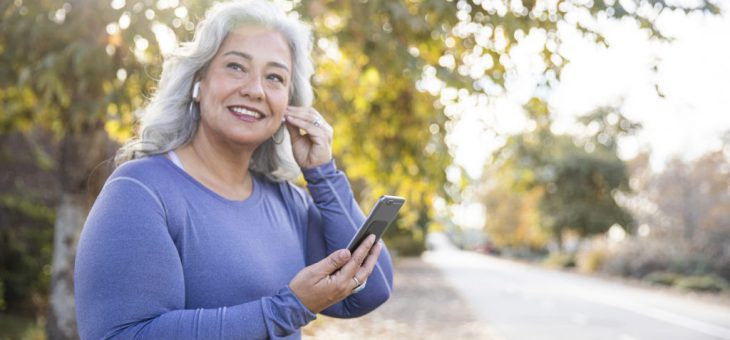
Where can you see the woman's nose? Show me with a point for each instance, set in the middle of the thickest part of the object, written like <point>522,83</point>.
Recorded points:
<point>253,88</point>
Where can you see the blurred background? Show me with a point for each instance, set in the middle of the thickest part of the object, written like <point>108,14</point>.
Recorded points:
<point>565,162</point>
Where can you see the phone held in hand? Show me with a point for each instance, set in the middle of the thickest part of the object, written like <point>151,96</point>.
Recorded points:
<point>380,218</point>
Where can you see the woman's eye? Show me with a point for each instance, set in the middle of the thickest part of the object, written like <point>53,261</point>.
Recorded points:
<point>276,77</point>
<point>235,67</point>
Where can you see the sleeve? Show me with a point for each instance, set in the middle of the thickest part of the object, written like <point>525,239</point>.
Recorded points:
<point>129,280</point>
<point>333,220</point>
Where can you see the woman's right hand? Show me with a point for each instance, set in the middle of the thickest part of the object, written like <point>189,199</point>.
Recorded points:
<point>328,281</point>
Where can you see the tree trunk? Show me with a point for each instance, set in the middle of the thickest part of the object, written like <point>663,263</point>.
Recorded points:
<point>83,166</point>
<point>70,217</point>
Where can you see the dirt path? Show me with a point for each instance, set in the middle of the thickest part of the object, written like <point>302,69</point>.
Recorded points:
<point>423,306</point>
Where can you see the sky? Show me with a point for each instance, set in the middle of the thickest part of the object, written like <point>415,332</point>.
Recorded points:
<point>693,73</point>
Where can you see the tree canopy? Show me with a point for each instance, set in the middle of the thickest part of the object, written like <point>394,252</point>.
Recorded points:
<point>562,183</point>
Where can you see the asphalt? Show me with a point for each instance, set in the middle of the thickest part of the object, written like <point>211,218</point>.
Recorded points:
<point>518,301</point>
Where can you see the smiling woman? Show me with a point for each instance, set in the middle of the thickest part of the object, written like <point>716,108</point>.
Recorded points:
<point>198,233</point>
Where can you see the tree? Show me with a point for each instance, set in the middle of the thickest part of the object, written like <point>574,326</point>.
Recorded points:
<point>692,197</point>
<point>573,179</point>
<point>513,216</point>
<point>76,68</point>
<point>684,217</point>
<point>390,140</point>
<point>585,175</point>
<point>378,58</point>
<point>27,194</point>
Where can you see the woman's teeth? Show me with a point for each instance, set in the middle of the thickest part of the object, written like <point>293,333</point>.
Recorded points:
<point>245,112</point>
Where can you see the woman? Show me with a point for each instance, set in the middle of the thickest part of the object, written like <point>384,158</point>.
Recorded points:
<point>199,234</point>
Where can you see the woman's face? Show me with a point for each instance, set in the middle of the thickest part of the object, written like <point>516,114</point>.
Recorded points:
<point>245,91</point>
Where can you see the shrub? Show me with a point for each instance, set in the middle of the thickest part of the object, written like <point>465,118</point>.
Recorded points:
<point>705,283</point>
<point>592,259</point>
<point>634,260</point>
<point>664,278</point>
<point>404,243</point>
<point>560,260</point>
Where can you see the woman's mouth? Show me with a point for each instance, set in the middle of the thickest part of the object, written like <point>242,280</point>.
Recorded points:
<point>245,114</point>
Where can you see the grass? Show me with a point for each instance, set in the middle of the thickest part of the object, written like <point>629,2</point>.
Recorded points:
<point>13,327</point>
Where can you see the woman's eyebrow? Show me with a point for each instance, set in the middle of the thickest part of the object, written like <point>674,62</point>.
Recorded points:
<point>249,57</point>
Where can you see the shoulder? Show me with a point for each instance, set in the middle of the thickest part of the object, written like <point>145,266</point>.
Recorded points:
<point>142,168</point>
<point>153,172</point>
<point>147,176</point>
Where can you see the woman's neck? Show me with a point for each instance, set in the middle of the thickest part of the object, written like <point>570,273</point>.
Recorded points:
<point>220,166</point>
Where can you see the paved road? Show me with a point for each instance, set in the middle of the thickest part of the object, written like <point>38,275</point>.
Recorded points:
<point>518,302</point>
<point>423,306</point>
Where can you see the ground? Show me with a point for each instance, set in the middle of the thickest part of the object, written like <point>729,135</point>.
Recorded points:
<point>422,306</point>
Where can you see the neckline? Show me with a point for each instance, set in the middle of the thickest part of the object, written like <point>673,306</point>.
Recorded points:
<point>175,159</point>
<point>254,198</point>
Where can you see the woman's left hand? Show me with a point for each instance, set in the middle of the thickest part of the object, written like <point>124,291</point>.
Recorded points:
<point>315,147</point>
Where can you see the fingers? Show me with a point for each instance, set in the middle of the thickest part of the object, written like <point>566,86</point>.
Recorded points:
<point>358,258</point>
<point>311,136</point>
<point>334,278</point>
<point>367,267</point>
<point>332,263</point>
<point>309,120</point>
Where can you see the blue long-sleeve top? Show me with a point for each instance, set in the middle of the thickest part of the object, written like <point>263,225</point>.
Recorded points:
<point>163,257</point>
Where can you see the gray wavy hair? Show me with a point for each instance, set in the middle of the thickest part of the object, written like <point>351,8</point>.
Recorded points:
<point>166,122</point>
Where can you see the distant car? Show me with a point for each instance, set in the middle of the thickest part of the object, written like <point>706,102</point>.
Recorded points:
<point>487,248</point>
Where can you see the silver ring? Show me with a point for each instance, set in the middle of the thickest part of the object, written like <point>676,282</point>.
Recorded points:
<point>360,286</point>
<point>357,282</point>
<point>317,122</point>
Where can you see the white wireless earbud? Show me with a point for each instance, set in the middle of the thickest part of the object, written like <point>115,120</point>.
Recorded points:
<point>196,90</point>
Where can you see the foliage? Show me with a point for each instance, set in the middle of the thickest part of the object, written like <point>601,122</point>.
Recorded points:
<point>560,260</point>
<point>549,184</point>
<point>513,217</point>
<point>591,259</point>
<point>27,190</point>
<point>389,138</point>
<point>23,328</point>
<point>661,277</point>
<point>693,197</point>
<point>685,213</point>
<point>379,58</point>
<point>77,68</point>
<point>404,243</point>
<point>640,257</point>
<point>705,283</point>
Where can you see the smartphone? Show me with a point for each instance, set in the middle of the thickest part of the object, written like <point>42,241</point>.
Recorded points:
<point>380,218</point>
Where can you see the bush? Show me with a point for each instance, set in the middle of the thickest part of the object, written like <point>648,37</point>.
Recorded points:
<point>639,258</point>
<point>560,260</point>
<point>404,243</point>
<point>22,327</point>
<point>662,277</point>
<point>592,259</point>
<point>704,283</point>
